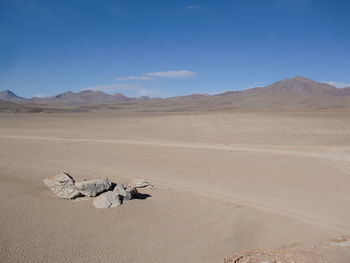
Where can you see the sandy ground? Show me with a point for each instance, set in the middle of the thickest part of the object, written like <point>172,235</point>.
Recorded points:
<point>226,182</point>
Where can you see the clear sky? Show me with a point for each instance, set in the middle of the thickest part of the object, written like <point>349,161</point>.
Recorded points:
<point>167,48</point>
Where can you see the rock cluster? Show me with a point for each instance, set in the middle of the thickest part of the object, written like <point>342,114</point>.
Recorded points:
<point>106,193</point>
<point>326,251</point>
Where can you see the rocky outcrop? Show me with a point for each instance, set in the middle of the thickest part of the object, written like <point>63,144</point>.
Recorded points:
<point>93,187</point>
<point>63,186</point>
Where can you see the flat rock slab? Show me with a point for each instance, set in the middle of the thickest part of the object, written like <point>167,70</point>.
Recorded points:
<point>93,187</point>
<point>107,199</point>
<point>62,185</point>
<point>141,183</point>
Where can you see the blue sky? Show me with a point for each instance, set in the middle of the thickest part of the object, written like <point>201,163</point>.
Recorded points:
<point>168,48</point>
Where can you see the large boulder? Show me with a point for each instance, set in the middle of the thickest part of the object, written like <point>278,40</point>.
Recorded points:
<point>93,187</point>
<point>62,185</point>
<point>126,192</point>
<point>107,199</point>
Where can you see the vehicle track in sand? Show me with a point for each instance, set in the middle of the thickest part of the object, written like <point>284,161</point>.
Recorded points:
<point>199,146</point>
<point>238,201</point>
<point>227,197</point>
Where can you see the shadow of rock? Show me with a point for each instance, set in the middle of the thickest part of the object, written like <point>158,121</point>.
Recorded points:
<point>142,196</point>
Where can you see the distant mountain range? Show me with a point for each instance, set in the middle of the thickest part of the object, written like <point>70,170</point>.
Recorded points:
<point>70,98</point>
<point>298,93</point>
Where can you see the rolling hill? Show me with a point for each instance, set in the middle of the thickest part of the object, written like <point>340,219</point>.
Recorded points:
<point>8,95</point>
<point>298,93</point>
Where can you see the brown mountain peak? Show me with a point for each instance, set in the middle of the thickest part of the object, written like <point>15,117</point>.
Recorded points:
<point>302,78</point>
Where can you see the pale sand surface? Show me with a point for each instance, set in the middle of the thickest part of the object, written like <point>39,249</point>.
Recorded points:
<point>225,182</point>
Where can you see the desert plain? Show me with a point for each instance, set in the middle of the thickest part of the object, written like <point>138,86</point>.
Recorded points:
<point>225,182</point>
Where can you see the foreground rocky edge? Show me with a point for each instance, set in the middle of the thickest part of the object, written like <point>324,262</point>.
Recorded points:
<point>332,251</point>
<point>107,194</point>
